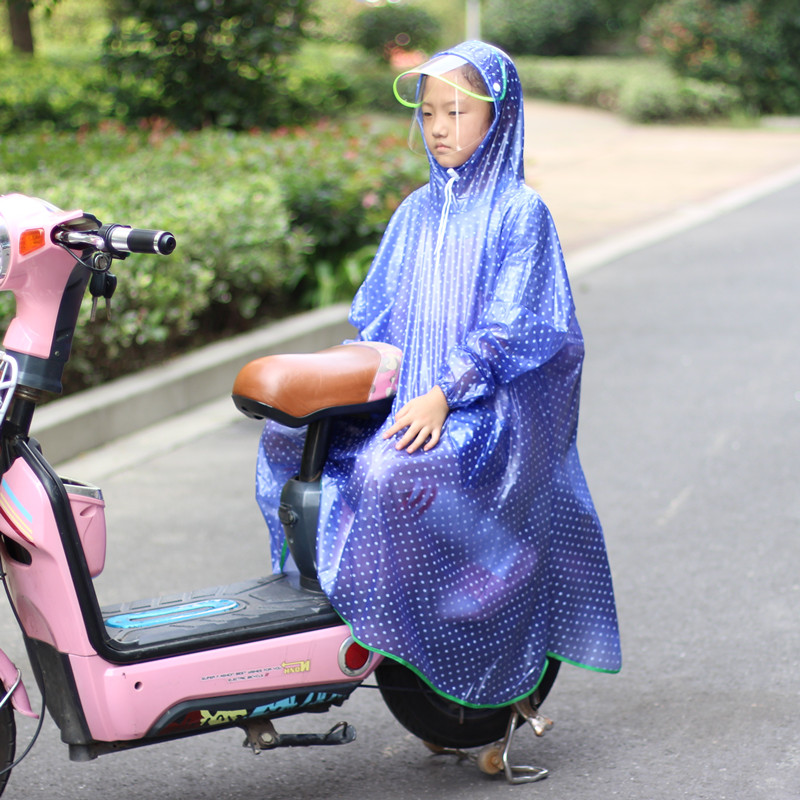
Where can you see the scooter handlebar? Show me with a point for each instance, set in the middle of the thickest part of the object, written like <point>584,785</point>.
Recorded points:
<point>123,239</point>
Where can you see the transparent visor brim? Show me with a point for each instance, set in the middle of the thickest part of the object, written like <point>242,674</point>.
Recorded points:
<point>409,85</point>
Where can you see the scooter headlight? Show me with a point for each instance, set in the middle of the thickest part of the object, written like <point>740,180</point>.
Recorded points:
<point>5,249</point>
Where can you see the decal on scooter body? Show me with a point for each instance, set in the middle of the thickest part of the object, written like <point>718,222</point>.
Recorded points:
<point>14,512</point>
<point>194,715</point>
<point>294,702</point>
<point>169,616</point>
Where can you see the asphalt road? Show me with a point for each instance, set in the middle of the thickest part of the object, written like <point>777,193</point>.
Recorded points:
<point>690,437</point>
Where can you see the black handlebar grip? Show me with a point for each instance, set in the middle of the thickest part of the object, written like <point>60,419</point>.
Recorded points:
<point>123,239</point>
<point>144,241</point>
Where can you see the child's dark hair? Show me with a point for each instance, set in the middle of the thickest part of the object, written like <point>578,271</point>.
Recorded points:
<point>475,80</point>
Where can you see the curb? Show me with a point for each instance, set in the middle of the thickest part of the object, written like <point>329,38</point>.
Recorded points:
<point>134,402</point>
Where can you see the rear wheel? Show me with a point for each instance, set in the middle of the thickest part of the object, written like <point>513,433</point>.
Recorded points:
<point>8,741</point>
<point>442,722</point>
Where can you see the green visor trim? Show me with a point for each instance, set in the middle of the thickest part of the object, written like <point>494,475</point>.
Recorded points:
<point>424,70</point>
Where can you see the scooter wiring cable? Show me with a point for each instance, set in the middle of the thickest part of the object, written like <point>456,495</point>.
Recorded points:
<point>74,255</point>
<point>7,697</point>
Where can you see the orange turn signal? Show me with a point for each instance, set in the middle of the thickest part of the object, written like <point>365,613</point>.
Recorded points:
<point>31,240</point>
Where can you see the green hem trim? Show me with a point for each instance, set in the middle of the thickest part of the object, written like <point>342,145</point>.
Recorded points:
<point>582,666</point>
<point>439,691</point>
<point>450,697</point>
<point>284,554</point>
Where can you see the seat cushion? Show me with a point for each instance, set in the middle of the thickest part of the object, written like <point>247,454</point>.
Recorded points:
<point>302,386</point>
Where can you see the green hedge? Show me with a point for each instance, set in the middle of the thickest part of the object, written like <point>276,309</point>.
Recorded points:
<point>337,80</point>
<point>211,63</point>
<point>641,89</point>
<point>543,27</point>
<point>751,44</point>
<point>259,219</point>
<point>384,29</point>
<point>69,93</point>
<point>52,92</point>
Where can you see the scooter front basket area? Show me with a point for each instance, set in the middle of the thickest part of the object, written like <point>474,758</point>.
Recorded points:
<point>9,375</point>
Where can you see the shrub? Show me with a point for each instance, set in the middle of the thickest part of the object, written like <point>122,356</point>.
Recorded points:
<point>248,211</point>
<point>335,79</point>
<point>542,27</point>
<point>624,16</point>
<point>387,28</point>
<point>68,94</point>
<point>60,93</point>
<point>236,246</point>
<point>211,63</point>
<point>590,81</point>
<point>672,98</point>
<point>355,175</point>
<point>750,44</point>
<point>642,89</point>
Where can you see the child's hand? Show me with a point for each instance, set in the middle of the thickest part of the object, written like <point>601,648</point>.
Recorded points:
<point>424,417</point>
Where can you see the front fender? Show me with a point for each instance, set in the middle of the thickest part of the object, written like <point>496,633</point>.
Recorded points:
<point>10,677</point>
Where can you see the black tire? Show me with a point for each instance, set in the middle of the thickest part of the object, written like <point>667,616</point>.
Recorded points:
<point>8,740</point>
<point>443,722</point>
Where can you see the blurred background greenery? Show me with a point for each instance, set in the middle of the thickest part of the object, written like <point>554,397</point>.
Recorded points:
<point>265,135</point>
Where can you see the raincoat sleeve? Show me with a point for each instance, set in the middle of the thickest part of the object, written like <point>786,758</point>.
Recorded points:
<point>527,314</point>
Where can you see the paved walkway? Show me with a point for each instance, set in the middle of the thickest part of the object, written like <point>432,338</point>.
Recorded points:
<point>602,175</point>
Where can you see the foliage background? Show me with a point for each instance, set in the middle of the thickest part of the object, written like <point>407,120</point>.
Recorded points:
<point>257,235</point>
<point>278,169</point>
<point>750,44</point>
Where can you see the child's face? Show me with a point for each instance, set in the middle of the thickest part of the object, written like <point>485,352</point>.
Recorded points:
<point>453,123</point>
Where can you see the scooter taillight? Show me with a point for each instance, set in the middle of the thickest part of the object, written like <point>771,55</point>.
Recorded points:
<point>354,659</point>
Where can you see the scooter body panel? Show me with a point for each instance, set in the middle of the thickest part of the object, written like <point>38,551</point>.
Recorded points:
<point>38,277</point>
<point>124,702</point>
<point>42,589</point>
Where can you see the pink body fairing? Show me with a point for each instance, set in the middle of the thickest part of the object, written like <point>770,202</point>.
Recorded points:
<point>43,591</point>
<point>122,702</point>
<point>37,278</point>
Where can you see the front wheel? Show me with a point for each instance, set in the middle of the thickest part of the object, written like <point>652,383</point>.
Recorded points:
<point>442,722</point>
<point>8,741</point>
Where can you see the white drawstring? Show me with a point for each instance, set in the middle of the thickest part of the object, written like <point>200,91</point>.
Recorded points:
<point>448,201</point>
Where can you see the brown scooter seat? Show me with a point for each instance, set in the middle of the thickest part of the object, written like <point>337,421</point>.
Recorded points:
<point>301,388</point>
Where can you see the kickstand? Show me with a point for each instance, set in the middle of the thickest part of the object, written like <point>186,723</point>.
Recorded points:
<point>523,711</point>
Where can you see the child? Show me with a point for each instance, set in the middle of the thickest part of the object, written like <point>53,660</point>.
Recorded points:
<point>459,536</point>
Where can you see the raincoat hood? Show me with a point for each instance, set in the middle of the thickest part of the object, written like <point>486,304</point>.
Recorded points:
<point>500,156</point>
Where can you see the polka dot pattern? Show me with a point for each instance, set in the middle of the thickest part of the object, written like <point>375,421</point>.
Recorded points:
<point>475,560</point>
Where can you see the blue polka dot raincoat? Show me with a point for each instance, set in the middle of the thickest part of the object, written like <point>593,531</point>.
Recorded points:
<point>475,561</point>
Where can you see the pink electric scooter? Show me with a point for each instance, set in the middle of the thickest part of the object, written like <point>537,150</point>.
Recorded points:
<point>243,655</point>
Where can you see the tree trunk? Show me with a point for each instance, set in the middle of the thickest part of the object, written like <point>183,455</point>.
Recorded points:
<point>19,23</point>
